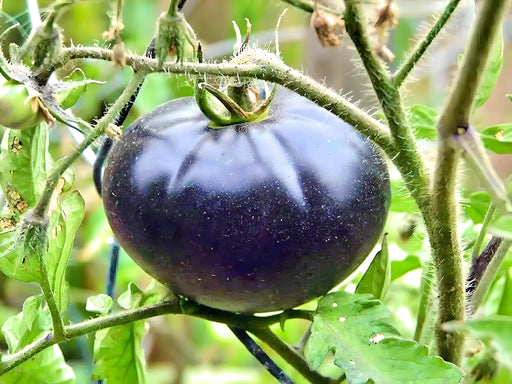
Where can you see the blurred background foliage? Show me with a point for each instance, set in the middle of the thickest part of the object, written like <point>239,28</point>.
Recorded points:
<point>185,350</point>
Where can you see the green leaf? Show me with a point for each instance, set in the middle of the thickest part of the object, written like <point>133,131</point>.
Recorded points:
<point>502,226</point>
<point>492,71</point>
<point>118,355</point>
<point>498,138</point>
<point>476,206</point>
<point>378,275</point>
<point>134,297</point>
<point>64,223</point>
<point>401,267</point>
<point>495,331</point>
<point>423,120</point>
<point>48,366</point>
<point>367,347</point>
<point>100,304</point>
<point>401,199</point>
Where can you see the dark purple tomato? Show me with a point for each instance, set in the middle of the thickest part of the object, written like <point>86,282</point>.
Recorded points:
<point>252,217</point>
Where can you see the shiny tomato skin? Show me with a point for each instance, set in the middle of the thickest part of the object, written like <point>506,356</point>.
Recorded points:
<point>248,218</point>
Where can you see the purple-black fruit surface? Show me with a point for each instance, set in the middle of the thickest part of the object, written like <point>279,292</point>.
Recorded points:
<point>252,217</point>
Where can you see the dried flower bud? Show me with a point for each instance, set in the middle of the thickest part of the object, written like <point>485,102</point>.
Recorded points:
<point>119,54</point>
<point>328,27</point>
<point>113,131</point>
<point>385,53</point>
<point>386,14</point>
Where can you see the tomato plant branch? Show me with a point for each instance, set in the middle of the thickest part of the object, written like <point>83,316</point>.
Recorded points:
<point>454,120</point>
<point>460,103</point>
<point>402,73</point>
<point>291,356</point>
<point>262,65</point>
<point>9,362</point>
<point>407,158</point>
<point>446,252</point>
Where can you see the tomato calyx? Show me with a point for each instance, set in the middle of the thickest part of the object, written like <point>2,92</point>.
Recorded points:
<point>223,110</point>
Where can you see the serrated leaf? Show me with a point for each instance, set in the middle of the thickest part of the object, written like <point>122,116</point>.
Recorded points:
<point>492,71</point>
<point>476,206</point>
<point>101,304</point>
<point>401,199</point>
<point>367,347</point>
<point>498,138</point>
<point>118,355</point>
<point>502,226</point>
<point>48,366</point>
<point>401,267</point>
<point>495,331</point>
<point>423,120</point>
<point>377,277</point>
<point>64,223</point>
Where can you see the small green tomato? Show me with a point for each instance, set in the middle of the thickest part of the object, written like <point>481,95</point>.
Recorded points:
<point>18,109</point>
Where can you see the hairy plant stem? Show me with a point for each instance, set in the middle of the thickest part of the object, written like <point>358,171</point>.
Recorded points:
<point>402,73</point>
<point>442,219</point>
<point>425,302</point>
<point>460,103</point>
<point>265,66</point>
<point>446,253</point>
<point>408,159</point>
<point>9,362</point>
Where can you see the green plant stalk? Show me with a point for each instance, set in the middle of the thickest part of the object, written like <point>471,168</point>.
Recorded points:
<point>489,275</point>
<point>461,99</point>
<point>442,219</point>
<point>425,302</point>
<point>289,354</point>
<point>408,159</point>
<point>446,252</point>
<point>483,231</point>
<point>9,362</point>
<point>265,66</point>
<point>402,73</point>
